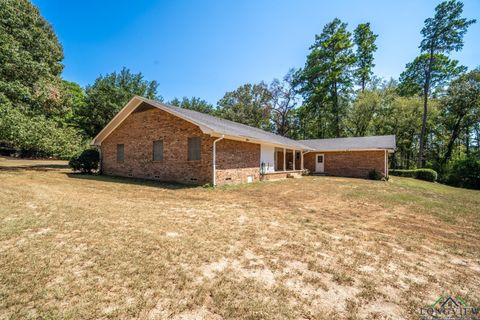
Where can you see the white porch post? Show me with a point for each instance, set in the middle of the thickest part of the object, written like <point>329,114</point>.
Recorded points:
<point>284,159</point>
<point>301,160</point>
<point>294,159</point>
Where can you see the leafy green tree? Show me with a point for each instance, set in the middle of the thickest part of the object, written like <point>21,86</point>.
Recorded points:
<point>30,56</point>
<point>362,112</point>
<point>194,103</point>
<point>364,39</point>
<point>441,34</point>
<point>461,108</point>
<point>36,135</point>
<point>326,80</point>
<point>284,101</point>
<point>249,104</point>
<point>109,94</point>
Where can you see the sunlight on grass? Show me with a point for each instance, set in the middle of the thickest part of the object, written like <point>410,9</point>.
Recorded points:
<point>75,246</point>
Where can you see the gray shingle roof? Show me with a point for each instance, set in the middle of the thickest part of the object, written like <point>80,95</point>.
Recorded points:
<point>355,143</point>
<point>226,127</point>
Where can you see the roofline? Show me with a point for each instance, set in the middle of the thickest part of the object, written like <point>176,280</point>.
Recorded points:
<point>390,150</point>
<point>137,100</point>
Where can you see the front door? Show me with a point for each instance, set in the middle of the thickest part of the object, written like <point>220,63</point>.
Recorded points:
<point>319,163</point>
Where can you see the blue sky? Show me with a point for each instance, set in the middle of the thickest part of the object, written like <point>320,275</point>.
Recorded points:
<point>205,48</point>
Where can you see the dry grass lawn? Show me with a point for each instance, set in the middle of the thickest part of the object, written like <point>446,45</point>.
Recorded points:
<point>87,247</point>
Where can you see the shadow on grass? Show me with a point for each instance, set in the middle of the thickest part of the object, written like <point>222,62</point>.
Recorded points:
<point>131,181</point>
<point>35,167</point>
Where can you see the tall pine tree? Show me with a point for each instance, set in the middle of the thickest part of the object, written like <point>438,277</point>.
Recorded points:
<point>326,80</point>
<point>442,34</point>
<point>364,39</point>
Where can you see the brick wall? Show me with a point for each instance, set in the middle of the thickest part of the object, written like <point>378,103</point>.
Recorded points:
<point>138,132</point>
<point>348,163</point>
<point>236,160</point>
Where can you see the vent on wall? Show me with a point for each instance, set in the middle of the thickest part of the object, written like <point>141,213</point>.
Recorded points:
<point>157,177</point>
<point>228,179</point>
<point>130,174</point>
<point>193,179</point>
<point>249,179</point>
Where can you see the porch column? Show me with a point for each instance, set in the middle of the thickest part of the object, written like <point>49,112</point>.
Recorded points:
<point>284,159</point>
<point>301,160</point>
<point>294,159</point>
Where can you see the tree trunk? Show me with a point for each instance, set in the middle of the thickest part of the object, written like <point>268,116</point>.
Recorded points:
<point>336,110</point>
<point>451,142</point>
<point>467,141</point>
<point>426,91</point>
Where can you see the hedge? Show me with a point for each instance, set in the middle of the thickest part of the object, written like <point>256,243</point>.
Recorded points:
<point>422,174</point>
<point>85,162</point>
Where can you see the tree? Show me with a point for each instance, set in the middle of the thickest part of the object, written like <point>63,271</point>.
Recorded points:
<point>326,80</point>
<point>441,34</point>
<point>249,104</point>
<point>109,94</point>
<point>413,79</point>
<point>195,104</point>
<point>284,101</point>
<point>30,56</point>
<point>461,108</point>
<point>362,112</point>
<point>364,39</point>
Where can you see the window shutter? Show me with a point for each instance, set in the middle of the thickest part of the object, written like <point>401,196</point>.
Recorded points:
<point>120,152</point>
<point>194,148</point>
<point>158,150</point>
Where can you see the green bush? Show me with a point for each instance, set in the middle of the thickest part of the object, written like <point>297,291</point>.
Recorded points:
<point>85,162</point>
<point>426,174</point>
<point>402,173</point>
<point>465,173</point>
<point>374,175</point>
<point>37,136</point>
<point>422,174</point>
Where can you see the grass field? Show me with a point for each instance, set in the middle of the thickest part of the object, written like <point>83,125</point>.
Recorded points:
<point>85,247</point>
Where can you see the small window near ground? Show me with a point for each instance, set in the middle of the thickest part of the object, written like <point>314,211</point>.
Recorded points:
<point>158,150</point>
<point>120,152</point>
<point>194,148</point>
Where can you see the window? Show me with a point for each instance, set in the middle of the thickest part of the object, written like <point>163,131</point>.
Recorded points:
<point>120,152</point>
<point>194,148</point>
<point>158,150</point>
<point>320,159</point>
<point>297,155</point>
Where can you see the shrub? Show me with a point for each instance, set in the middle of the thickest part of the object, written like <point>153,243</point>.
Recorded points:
<point>402,173</point>
<point>85,162</point>
<point>426,174</point>
<point>374,175</point>
<point>422,174</point>
<point>465,173</point>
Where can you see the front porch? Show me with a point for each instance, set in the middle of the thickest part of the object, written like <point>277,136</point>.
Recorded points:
<point>286,163</point>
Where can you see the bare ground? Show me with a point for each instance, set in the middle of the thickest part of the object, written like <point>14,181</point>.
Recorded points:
<point>87,247</point>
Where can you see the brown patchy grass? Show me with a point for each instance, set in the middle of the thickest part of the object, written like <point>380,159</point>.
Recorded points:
<point>87,247</point>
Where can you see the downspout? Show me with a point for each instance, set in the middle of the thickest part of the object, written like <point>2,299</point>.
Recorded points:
<point>386,164</point>
<point>215,159</point>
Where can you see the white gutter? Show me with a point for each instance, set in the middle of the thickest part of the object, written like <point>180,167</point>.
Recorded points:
<point>214,159</point>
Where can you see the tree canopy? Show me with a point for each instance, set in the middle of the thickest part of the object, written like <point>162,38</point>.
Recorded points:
<point>108,94</point>
<point>249,104</point>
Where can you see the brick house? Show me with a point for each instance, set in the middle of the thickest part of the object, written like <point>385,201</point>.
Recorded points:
<point>151,140</point>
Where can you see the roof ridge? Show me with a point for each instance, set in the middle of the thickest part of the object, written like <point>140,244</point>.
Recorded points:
<point>221,119</point>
